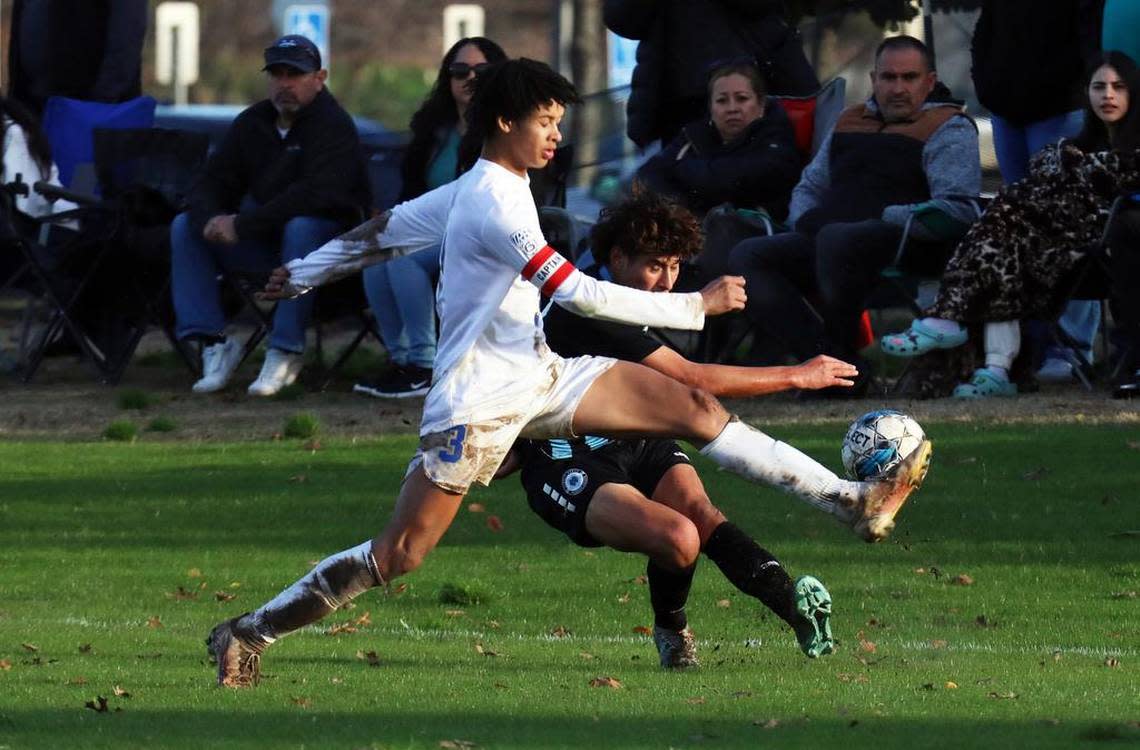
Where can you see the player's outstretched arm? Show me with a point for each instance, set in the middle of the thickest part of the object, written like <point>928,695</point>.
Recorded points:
<point>739,382</point>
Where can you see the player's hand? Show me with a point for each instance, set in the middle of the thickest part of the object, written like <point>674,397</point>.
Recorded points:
<point>824,372</point>
<point>278,286</point>
<point>724,294</point>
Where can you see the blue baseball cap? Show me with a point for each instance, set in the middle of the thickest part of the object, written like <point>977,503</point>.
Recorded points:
<point>295,51</point>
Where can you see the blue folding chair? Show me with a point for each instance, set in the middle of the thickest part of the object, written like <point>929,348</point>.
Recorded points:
<point>70,126</point>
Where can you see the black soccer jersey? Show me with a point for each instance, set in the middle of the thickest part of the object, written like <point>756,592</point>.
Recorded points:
<point>571,335</point>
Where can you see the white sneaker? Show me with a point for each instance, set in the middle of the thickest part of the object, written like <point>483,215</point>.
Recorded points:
<point>1056,370</point>
<point>280,369</point>
<point>218,363</point>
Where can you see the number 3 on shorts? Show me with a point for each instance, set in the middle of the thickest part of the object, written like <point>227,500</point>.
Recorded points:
<point>454,450</point>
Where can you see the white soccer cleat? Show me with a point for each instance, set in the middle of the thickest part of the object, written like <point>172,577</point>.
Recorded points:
<point>280,369</point>
<point>677,648</point>
<point>218,363</point>
<point>874,518</point>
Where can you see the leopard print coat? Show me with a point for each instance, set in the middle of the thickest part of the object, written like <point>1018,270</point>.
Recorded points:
<point>1013,261</point>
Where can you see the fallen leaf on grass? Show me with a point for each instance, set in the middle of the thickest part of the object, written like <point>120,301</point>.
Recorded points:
<point>1035,474</point>
<point>723,603</point>
<point>585,655</point>
<point>181,594</point>
<point>963,580</point>
<point>642,630</point>
<point>866,646</point>
<point>1134,445</point>
<point>457,744</point>
<point>153,622</point>
<point>493,624</point>
<point>312,445</point>
<point>859,679</point>
<point>920,571</point>
<point>951,685</point>
<point>30,647</point>
<point>85,648</point>
<point>484,651</point>
<point>301,701</point>
<point>5,665</point>
<point>640,580</point>
<point>1003,696</point>
<point>454,612</point>
<point>193,573</point>
<point>120,693</point>
<point>224,596</point>
<point>77,681</point>
<point>364,620</point>
<point>742,694</point>
<point>624,598</point>
<point>370,657</point>
<point>938,643</point>
<point>341,628</point>
<point>476,508</point>
<point>298,479</point>
<point>1112,662</point>
<point>766,724</point>
<point>696,700</point>
<point>1124,595</point>
<point>494,523</point>
<point>606,682</point>
<point>984,622</point>
<point>559,631</point>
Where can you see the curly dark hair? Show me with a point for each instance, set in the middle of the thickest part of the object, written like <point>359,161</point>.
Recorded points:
<point>646,223</point>
<point>437,111</point>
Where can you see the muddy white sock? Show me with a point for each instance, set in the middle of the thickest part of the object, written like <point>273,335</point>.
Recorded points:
<point>750,453</point>
<point>331,584</point>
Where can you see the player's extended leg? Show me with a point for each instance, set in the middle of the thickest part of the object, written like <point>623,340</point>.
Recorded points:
<point>423,513</point>
<point>621,517</point>
<point>631,399</point>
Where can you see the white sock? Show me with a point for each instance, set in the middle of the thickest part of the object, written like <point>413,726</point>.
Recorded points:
<point>331,584</point>
<point>941,325</point>
<point>750,453</point>
<point>998,372</point>
<point>1002,343</point>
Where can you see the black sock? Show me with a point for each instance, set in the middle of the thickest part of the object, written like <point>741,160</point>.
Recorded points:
<point>668,592</point>
<point>752,569</point>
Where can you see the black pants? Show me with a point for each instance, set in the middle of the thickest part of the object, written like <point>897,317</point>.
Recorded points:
<point>808,292</point>
<point>1124,269</point>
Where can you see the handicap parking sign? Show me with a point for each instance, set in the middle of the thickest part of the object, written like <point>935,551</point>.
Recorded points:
<point>310,20</point>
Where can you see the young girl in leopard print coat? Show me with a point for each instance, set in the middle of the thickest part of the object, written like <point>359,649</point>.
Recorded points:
<point>1011,263</point>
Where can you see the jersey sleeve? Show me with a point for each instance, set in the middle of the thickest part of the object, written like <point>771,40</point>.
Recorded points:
<point>512,233</point>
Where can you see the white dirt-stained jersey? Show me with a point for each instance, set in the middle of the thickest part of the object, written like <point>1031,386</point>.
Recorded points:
<point>491,349</point>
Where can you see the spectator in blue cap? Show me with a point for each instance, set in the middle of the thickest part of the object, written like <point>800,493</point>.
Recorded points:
<point>288,176</point>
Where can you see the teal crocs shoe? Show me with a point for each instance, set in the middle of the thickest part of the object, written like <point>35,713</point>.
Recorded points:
<point>984,384</point>
<point>920,339</point>
<point>813,604</point>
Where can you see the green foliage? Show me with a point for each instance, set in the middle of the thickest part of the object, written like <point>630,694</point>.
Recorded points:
<point>135,398</point>
<point>121,431</point>
<point>162,424</point>
<point>117,560</point>
<point>302,426</point>
<point>462,594</point>
<point>387,93</point>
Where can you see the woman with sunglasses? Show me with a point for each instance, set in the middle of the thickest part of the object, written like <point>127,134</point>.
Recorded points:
<point>401,292</point>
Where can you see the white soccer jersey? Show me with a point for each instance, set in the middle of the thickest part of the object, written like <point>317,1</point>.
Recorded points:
<point>491,351</point>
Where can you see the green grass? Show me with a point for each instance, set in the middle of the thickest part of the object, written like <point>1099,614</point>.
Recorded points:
<point>117,559</point>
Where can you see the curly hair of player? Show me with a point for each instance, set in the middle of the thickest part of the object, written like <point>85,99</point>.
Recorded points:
<point>646,223</point>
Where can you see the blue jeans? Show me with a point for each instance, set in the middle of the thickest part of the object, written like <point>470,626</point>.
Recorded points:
<point>195,265</point>
<point>402,296</point>
<point>1014,146</point>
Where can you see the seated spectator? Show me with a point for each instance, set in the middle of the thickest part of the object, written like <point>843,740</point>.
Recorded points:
<point>401,292</point>
<point>288,176</point>
<point>1011,262</point>
<point>908,151</point>
<point>743,153</point>
<point>1124,267</point>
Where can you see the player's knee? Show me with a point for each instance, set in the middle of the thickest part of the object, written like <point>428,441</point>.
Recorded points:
<point>701,512</point>
<point>683,545</point>
<point>399,561</point>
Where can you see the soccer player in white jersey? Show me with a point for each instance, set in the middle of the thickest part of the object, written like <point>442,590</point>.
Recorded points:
<point>496,380</point>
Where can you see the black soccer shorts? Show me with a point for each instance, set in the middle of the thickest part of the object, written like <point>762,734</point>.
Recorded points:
<point>560,490</point>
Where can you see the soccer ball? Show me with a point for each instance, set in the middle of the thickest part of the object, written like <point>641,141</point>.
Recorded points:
<point>877,442</point>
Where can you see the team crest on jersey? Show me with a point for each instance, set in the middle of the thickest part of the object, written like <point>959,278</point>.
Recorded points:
<point>574,481</point>
<point>524,241</point>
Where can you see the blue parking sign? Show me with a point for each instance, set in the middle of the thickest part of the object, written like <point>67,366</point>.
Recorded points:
<point>310,20</point>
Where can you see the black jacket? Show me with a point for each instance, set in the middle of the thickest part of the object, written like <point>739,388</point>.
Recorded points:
<point>1029,57</point>
<point>758,168</point>
<point>680,39</point>
<point>90,50</point>
<point>318,169</point>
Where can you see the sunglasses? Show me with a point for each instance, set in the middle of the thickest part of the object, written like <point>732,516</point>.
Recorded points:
<point>460,70</point>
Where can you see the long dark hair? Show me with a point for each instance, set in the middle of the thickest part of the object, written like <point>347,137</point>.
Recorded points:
<point>1094,134</point>
<point>38,145</point>
<point>438,111</point>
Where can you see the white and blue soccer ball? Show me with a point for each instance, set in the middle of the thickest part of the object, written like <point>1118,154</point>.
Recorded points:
<point>877,442</point>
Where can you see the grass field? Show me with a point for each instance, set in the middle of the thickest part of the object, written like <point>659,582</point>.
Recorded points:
<point>1003,614</point>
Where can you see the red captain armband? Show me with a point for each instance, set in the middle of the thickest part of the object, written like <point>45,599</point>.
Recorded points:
<point>547,270</point>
